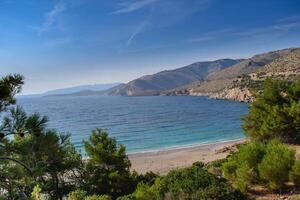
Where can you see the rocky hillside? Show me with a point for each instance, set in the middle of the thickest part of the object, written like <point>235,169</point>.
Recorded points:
<point>228,83</point>
<point>165,80</point>
<point>286,67</point>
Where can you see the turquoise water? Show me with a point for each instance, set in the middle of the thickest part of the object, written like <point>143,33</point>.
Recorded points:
<point>143,123</point>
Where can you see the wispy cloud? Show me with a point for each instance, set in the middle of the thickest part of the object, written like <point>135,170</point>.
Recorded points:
<point>269,32</point>
<point>51,17</point>
<point>133,6</point>
<point>161,13</point>
<point>141,28</point>
<point>256,34</point>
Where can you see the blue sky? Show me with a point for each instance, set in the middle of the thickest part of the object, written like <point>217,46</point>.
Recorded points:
<point>62,43</point>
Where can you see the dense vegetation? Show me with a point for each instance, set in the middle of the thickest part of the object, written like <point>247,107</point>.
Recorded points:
<point>275,113</point>
<point>39,163</point>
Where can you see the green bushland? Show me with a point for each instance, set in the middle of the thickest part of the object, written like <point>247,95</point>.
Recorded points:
<point>195,183</point>
<point>258,163</point>
<point>295,173</point>
<point>98,197</point>
<point>275,113</point>
<point>276,164</point>
<point>77,195</point>
<point>242,166</point>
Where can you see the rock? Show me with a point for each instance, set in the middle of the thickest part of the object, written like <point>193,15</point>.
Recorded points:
<point>235,94</point>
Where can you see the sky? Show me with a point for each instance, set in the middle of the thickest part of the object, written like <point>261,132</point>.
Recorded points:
<point>64,43</point>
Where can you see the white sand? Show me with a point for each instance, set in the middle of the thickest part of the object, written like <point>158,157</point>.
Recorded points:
<point>166,160</point>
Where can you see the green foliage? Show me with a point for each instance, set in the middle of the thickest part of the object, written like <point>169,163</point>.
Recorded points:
<point>36,193</point>
<point>275,113</point>
<point>241,168</point>
<point>148,178</point>
<point>98,197</point>
<point>127,197</point>
<point>41,152</point>
<point>215,167</point>
<point>195,182</point>
<point>276,164</point>
<point>9,86</point>
<point>77,195</point>
<point>147,192</point>
<point>107,170</point>
<point>295,173</point>
<point>256,163</point>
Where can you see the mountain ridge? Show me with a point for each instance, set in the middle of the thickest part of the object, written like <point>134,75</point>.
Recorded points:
<point>156,83</point>
<point>217,82</point>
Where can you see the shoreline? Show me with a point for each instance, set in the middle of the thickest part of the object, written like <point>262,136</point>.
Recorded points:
<point>185,146</point>
<point>163,161</point>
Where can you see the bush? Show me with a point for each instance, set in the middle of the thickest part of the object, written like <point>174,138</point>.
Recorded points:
<point>147,192</point>
<point>36,193</point>
<point>241,167</point>
<point>107,169</point>
<point>295,173</point>
<point>195,182</point>
<point>77,195</point>
<point>148,178</point>
<point>276,164</point>
<point>98,197</point>
<point>215,167</point>
<point>275,113</point>
<point>127,197</point>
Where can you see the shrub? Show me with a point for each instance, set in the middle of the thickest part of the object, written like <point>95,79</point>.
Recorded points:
<point>215,167</point>
<point>127,197</point>
<point>276,164</point>
<point>295,173</point>
<point>218,192</point>
<point>98,197</point>
<point>147,192</point>
<point>241,167</point>
<point>36,193</point>
<point>77,195</point>
<point>195,182</point>
<point>107,170</point>
<point>148,178</point>
<point>275,113</point>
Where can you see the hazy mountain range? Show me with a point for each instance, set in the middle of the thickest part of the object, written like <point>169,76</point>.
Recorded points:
<point>165,80</point>
<point>200,78</point>
<point>81,90</point>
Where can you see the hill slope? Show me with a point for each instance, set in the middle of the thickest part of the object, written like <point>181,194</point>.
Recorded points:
<point>286,67</point>
<point>218,81</point>
<point>156,83</point>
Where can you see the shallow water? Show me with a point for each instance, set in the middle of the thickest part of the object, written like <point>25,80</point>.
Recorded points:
<point>143,123</point>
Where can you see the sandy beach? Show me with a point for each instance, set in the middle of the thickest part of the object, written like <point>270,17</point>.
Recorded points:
<point>163,161</point>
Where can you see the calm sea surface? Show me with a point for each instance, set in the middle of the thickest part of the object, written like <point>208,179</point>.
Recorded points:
<point>143,123</point>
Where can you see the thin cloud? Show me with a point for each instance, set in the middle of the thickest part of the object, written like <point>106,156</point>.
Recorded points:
<point>141,28</point>
<point>51,17</point>
<point>269,32</point>
<point>133,6</point>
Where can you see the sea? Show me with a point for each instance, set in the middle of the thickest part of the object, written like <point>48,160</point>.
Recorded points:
<point>142,124</point>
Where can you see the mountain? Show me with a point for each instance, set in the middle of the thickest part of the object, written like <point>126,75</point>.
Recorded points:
<point>220,80</point>
<point>165,80</point>
<point>81,89</point>
<point>91,92</point>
